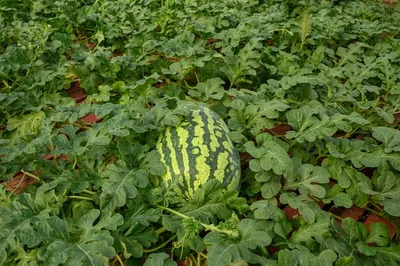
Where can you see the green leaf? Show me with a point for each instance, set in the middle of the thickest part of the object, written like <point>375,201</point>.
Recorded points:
<point>91,82</point>
<point>256,116</point>
<point>222,251</point>
<point>132,242</point>
<point>282,226</point>
<point>307,207</point>
<point>379,234</point>
<point>389,254</point>
<point>153,164</point>
<point>139,213</point>
<point>79,208</point>
<point>336,195</point>
<point>222,254</point>
<point>243,63</point>
<point>287,258</point>
<point>355,230</point>
<point>308,234</point>
<point>122,184</point>
<point>354,235</point>
<point>211,202</point>
<point>251,237</point>
<point>136,233</point>
<point>210,89</point>
<point>345,261</point>
<point>388,136</point>
<point>311,122</point>
<point>271,157</point>
<point>386,193</point>
<point>264,209</point>
<point>380,156</point>
<point>302,256</point>
<point>308,179</point>
<point>16,223</point>
<point>92,245</point>
<point>159,259</point>
<point>271,188</point>
<point>261,110</point>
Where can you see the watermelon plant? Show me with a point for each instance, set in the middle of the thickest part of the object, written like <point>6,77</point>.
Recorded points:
<point>182,132</point>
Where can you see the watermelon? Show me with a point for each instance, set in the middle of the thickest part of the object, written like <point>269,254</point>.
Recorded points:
<point>197,150</point>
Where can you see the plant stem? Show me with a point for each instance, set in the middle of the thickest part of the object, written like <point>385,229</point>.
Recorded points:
<point>190,87</point>
<point>80,197</point>
<point>349,134</point>
<point>160,246</point>
<point>192,260</point>
<point>373,211</point>
<point>172,211</point>
<point>160,231</point>
<point>31,175</point>
<point>74,166</point>
<point>376,206</point>
<point>63,213</point>
<point>322,155</point>
<point>203,255</point>
<point>337,217</point>
<point>119,260</point>
<point>90,9</point>
<point>19,184</point>
<point>264,251</point>
<point>81,126</point>
<point>6,84</point>
<point>206,226</point>
<point>89,192</point>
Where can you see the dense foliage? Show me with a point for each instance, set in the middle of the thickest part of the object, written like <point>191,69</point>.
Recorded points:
<point>327,72</point>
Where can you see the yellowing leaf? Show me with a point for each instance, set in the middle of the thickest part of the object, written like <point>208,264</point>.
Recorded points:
<point>305,26</point>
<point>24,126</point>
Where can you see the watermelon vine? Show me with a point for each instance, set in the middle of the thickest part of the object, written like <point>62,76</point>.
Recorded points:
<point>206,133</point>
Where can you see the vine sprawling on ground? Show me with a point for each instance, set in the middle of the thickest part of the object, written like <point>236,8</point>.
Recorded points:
<point>309,89</point>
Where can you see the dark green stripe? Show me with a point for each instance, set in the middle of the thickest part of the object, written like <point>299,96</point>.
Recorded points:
<point>167,153</point>
<point>230,174</point>
<point>218,120</point>
<point>192,157</point>
<point>210,160</point>
<point>178,152</point>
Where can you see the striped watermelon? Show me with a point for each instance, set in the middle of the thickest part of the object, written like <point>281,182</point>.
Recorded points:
<point>197,150</point>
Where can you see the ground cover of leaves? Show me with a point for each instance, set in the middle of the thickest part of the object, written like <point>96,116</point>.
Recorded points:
<point>309,89</point>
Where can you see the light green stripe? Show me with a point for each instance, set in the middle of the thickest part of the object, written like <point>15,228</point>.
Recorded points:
<point>174,161</point>
<point>203,169</point>
<point>183,136</point>
<point>223,161</point>
<point>222,157</point>
<point>167,175</point>
<point>211,128</point>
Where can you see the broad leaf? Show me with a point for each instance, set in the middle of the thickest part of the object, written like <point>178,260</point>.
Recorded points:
<point>122,184</point>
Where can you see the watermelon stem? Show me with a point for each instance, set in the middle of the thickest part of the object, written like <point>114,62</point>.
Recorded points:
<point>89,192</point>
<point>31,175</point>
<point>119,260</point>
<point>80,197</point>
<point>160,246</point>
<point>208,227</point>
<point>160,231</point>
